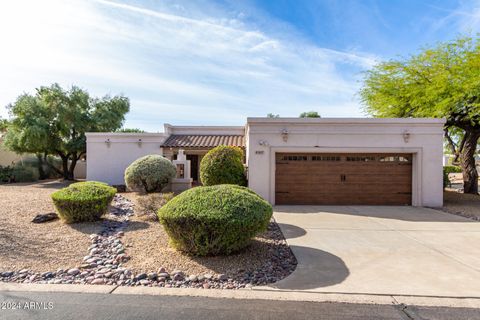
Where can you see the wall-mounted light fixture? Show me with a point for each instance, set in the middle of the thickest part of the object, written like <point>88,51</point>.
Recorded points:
<point>107,142</point>
<point>285,135</point>
<point>263,143</point>
<point>139,142</point>
<point>406,136</point>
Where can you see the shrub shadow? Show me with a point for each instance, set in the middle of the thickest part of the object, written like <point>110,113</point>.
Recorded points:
<point>290,231</point>
<point>316,269</point>
<point>97,226</point>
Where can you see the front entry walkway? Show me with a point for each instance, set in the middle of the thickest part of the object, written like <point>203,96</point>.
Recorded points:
<point>381,250</point>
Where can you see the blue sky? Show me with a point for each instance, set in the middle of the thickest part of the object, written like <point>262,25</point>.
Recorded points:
<point>217,62</point>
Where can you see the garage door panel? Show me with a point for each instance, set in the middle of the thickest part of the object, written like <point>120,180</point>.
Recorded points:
<point>370,179</point>
<point>307,168</point>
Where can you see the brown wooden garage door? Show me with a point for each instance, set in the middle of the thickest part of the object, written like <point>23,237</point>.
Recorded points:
<point>343,179</point>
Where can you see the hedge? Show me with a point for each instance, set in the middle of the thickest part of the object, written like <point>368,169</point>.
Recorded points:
<point>223,165</point>
<point>214,220</point>
<point>83,201</point>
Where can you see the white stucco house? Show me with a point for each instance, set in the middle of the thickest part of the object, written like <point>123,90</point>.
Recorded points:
<point>324,161</point>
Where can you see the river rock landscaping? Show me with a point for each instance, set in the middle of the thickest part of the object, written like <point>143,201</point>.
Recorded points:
<point>115,254</point>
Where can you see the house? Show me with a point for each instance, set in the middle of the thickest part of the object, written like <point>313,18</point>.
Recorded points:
<point>324,161</point>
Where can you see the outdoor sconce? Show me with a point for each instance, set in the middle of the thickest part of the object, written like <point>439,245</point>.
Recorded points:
<point>139,142</point>
<point>285,135</point>
<point>406,136</point>
<point>263,143</point>
<point>108,143</point>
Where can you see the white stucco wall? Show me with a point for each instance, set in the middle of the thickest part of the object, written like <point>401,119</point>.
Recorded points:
<point>107,162</point>
<point>348,135</point>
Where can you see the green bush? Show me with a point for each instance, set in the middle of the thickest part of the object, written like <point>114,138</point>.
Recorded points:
<point>446,171</point>
<point>6,174</point>
<point>214,220</point>
<point>149,174</point>
<point>223,165</point>
<point>24,174</point>
<point>83,201</point>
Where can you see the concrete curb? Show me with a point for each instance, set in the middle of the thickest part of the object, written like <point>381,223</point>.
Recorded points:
<point>253,294</point>
<point>37,287</point>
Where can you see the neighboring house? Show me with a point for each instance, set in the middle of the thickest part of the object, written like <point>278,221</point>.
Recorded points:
<point>322,161</point>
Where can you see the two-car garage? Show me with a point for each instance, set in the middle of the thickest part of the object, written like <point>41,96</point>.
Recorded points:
<point>343,179</point>
<point>349,161</point>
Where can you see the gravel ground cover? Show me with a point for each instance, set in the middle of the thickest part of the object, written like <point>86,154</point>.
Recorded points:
<point>41,247</point>
<point>466,205</point>
<point>124,249</point>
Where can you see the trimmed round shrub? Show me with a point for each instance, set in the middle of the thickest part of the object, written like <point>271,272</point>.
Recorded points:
<point>223,165</point>
<point>214,220</point>
<point>83,201</point>
<point>149,174</point>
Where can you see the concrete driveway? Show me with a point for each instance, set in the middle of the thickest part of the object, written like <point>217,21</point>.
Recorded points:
<point>381,250</point>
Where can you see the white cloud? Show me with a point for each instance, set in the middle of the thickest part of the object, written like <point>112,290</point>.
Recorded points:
<point>196,69</point>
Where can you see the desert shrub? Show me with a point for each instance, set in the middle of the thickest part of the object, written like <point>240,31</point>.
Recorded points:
<point>149,174</point>
<point>214,220</point>
<point>83,201</point>
<point>24,174</point>
<point>148,205</point>
<point>6,174</point>
<point>223,165</point>
<point>446,171</point>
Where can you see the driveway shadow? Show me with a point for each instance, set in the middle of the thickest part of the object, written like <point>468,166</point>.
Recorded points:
<point>290,231</point>
<point>315,269</point>
<point>405,213</point>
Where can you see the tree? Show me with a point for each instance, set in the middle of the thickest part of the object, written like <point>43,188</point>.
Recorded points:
<point>441,82</point>
<point>3,125</point>
<point>130,130</point>
<point>54,122</point>
<point>272,115</point>
<point>310,114</point>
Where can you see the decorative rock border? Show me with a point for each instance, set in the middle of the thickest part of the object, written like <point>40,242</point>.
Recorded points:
<point>106,255</point>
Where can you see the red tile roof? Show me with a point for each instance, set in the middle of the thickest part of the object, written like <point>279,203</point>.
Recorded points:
<point>203,141</point>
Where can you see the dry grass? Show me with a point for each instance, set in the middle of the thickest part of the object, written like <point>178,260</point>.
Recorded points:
<point>149,250</point>
<point>39,247</point>
<point>467,205</point>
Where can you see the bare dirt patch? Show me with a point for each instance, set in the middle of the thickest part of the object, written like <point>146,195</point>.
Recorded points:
<point>39,247</point>
<point>466,205</point>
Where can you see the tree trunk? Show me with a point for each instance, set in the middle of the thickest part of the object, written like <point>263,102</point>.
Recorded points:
<point>65,170</point>
<point>71,169</point>
<point>467,158</point>
<point>41,171</point>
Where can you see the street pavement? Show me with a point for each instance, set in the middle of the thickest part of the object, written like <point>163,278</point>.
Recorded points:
<point>86,306</point>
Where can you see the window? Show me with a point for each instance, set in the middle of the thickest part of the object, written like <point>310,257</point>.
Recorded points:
<point>361,158</point>
<point>404,159</point>
<point>294,158</point>
<point>325,158</point>
<point>387,159</point>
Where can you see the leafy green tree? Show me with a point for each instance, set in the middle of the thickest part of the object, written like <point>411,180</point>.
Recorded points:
<point>54,122</point>
<point>130,130</point>
<point>310,114</point>
<point>441,82</point>
<point>272,115</point>
<point>3,125</point>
